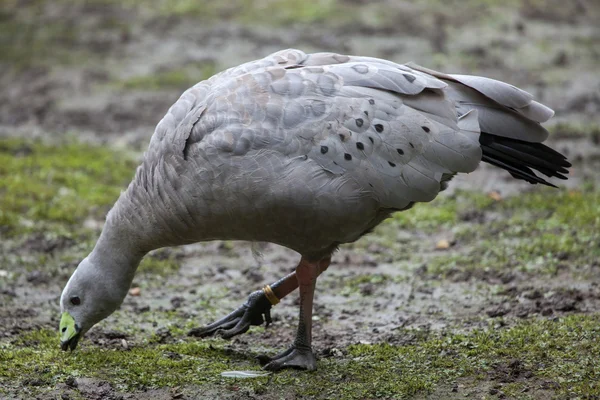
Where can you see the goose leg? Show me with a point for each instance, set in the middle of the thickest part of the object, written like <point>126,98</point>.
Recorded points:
<point>300,355</point>
<point>252,311</point>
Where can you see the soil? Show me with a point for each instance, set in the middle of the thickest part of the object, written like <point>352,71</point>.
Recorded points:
<point>82,97</point>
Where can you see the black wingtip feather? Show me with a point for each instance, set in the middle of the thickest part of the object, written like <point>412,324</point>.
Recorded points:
<point>520,158</point>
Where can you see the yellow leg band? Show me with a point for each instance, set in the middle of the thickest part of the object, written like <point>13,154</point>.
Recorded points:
<point>270,295</point>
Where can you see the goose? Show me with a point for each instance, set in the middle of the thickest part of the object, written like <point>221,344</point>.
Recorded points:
<point>308,151</point>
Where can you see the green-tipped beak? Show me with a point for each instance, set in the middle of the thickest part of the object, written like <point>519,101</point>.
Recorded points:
<point>69,332</point>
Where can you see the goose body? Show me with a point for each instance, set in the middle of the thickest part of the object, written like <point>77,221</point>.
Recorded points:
<point>309,151</point>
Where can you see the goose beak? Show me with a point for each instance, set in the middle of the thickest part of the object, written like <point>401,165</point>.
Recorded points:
<point>70,333</point>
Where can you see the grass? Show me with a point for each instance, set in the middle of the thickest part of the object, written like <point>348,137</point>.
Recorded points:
<point>60,183</point>
<point>561,351</point>
<point>180,78</point>
<point>47,194</point>
<point>47,191</point>
<point>442,212</point>
<point>537,232</point>
<point>161,262</point>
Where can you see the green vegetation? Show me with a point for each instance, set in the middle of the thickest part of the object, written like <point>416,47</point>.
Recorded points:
<point>271,12</point>
<point>560,351</point>
<point>542,231</point>
<point>161,262</point>
<point>54,196</point>
<point>576,130</point>
<point>442,212</point>
<point>360,283</point>
<point>181,78</point>
<point>58,186</point>
<point>61,183</point>
<point>536,232</point>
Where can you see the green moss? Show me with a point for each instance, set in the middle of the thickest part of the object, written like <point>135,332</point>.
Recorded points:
<point>175,78</point>
<point>361,282</point>
<point>562,351</point>
<point>536,232</point>
<point>33,35</point>
<point>442,212</point>
<point>62,183</point>
<point>269,12</point>
<point>161,262</point>
<point>550,208</point>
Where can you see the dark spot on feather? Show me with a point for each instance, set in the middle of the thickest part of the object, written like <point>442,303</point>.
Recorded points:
<point>370,185</point>
<point>347,156</point>
<point>371,139</point>
<point>324,149</point>
<point>411,145</point>
<point>366,113</point>
<point>391,164</point>
<point>342,137</point>
<point>409,77</point>
<point>360,146</point>
<point>186,148</point>
<point>426,129</point>
<point>400,151</point>
<point>379,127</point>
<point>359,122</point>
<point>371,101</point>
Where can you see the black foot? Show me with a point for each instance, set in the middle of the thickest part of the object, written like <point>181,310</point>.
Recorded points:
<point>239,321</point>
<point>294,357</point>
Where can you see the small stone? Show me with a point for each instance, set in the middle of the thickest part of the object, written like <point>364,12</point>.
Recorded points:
<point>135,291</point>
<point>71,382</point>
<point>565,305</point>
<point>497,312</point>
<point>143,309</point>
<point>163,335</point>
<point>124,344</point>
<point>523,313</point>
<point>34,382</point>
<point>534,294</point>
<point>177,302</point>
<point>112,335</point>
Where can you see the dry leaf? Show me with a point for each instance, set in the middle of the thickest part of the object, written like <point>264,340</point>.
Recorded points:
<point>494,195</point>
<point>135,291</point>
<point>442,244</point>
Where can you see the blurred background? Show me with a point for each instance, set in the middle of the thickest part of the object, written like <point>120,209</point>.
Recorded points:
<point>113,67</point>
<point>490,291</point>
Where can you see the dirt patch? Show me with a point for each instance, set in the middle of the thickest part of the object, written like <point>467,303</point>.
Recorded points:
<point>101,85</point>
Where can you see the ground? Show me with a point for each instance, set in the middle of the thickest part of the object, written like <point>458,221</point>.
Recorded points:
<point>490,291</point>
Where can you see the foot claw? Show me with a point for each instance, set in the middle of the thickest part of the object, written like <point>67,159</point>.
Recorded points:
<point>240,320</point>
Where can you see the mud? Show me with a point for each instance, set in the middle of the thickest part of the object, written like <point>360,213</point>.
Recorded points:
<point>88,98</point>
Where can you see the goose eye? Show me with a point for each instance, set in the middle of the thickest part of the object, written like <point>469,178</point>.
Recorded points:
<point>75,300</point>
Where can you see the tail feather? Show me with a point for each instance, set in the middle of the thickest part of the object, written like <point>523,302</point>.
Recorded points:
<point>520,158</point>
<point>509,120</point>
